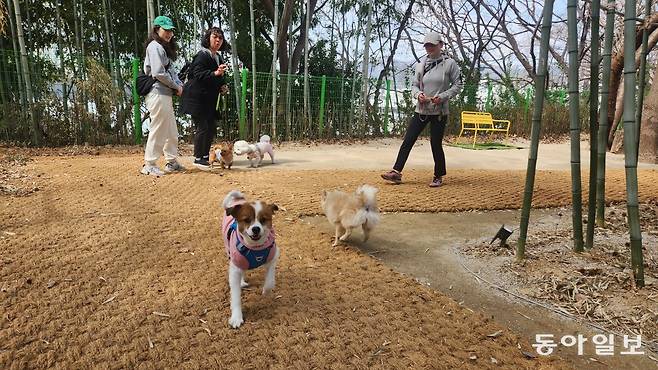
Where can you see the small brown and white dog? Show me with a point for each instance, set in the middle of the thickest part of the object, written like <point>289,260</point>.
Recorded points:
<point>222,153</point>
<point>249,243</point>
<point>348,211</point>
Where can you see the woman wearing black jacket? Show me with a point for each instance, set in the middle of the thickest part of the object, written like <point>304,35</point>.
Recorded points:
<point>205,81</point>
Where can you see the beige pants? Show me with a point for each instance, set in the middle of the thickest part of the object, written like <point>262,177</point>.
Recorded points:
<point>163,133</point>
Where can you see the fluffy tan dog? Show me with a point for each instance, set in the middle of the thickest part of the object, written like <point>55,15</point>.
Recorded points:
<point>348,211</point>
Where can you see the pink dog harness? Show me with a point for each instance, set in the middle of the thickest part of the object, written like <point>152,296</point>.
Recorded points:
<point>244,257</point>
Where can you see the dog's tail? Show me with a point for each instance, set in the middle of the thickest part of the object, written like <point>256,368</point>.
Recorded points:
<point>264,139</point>
<point>369,213</point>
<point>231,198</point>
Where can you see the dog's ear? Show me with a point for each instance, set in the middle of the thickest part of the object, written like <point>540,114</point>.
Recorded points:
<point>233,211</point>
<point>274,207</point>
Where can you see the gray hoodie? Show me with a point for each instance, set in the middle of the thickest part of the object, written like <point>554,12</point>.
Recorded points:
<point>443,80</point>
<point>155,64</point>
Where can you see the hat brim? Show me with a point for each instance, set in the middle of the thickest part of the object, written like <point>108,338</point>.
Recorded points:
<point>167,27</point>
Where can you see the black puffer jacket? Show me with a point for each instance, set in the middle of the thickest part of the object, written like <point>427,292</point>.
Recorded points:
<point>202,87</point>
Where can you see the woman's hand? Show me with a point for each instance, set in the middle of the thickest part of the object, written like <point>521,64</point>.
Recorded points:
<point>436,100</point>
<point>220,70</point>
<point>422,98</point>
<point>179,91</point>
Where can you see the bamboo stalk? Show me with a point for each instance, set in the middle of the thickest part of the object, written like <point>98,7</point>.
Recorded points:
<point>593,121</point>
<point>254,108</point>
<point>538,106</point>
<point>603,115</point>
<point>60,48</point>
<point>643,69</point>
<point>630,148</point>
<point>36,131</point>
<point>14,41</point>
<point>275,53</point>
<point>307,112</point>
<point>574,127</point>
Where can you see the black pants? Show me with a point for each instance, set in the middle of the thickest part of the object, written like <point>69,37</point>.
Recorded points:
<point>206,130</point>
<point>417,125</point>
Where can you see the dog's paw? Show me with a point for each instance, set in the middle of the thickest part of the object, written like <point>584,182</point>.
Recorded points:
<point>243,284</point>
<point>235,321</point>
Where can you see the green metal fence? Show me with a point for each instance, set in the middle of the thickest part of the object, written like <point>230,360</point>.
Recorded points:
<point>83,103</point>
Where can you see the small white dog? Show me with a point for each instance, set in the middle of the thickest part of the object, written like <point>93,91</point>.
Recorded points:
<point>249,242</point>
<point>255,151</point>
<point>348,211</point>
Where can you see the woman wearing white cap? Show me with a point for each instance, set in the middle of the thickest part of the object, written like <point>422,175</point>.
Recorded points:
<point>437,79</point>
<point>163,133</point>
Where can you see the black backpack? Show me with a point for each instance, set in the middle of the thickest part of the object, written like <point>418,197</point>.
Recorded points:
<point>144,83</point>
<point>184,73</point>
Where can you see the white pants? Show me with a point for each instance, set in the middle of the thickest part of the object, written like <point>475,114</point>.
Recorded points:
<point>163,133</point>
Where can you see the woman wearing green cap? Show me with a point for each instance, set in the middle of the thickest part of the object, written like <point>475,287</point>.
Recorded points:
<point>163,133</point>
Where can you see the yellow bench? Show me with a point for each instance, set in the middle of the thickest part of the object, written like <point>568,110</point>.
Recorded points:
<point>483,122</point>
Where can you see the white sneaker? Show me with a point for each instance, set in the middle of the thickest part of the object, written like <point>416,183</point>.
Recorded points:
<point>149,169</point>
<point>173,167</point>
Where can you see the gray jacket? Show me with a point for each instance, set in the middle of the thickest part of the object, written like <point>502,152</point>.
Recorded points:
<point>443,80</point>
<point>155,64</point>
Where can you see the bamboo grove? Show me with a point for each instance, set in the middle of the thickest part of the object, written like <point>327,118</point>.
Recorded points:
<point>632,117</point>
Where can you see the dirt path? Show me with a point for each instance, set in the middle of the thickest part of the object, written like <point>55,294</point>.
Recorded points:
<point>381,154</point>
<point>426,247</point>
<point>87,258</point>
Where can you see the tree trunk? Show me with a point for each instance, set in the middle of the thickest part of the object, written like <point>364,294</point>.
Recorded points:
<point>298,51</point>
<point>234,56</point>
<point>648,149</point>
<point>617,68</point>
<point>642,73</point>
<point>365,73</point>
<point>350,126</point>
<point>389,61</point>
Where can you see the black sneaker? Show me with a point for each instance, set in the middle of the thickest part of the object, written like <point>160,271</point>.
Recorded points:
<point>202,164</point>
<point>392,176</point>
